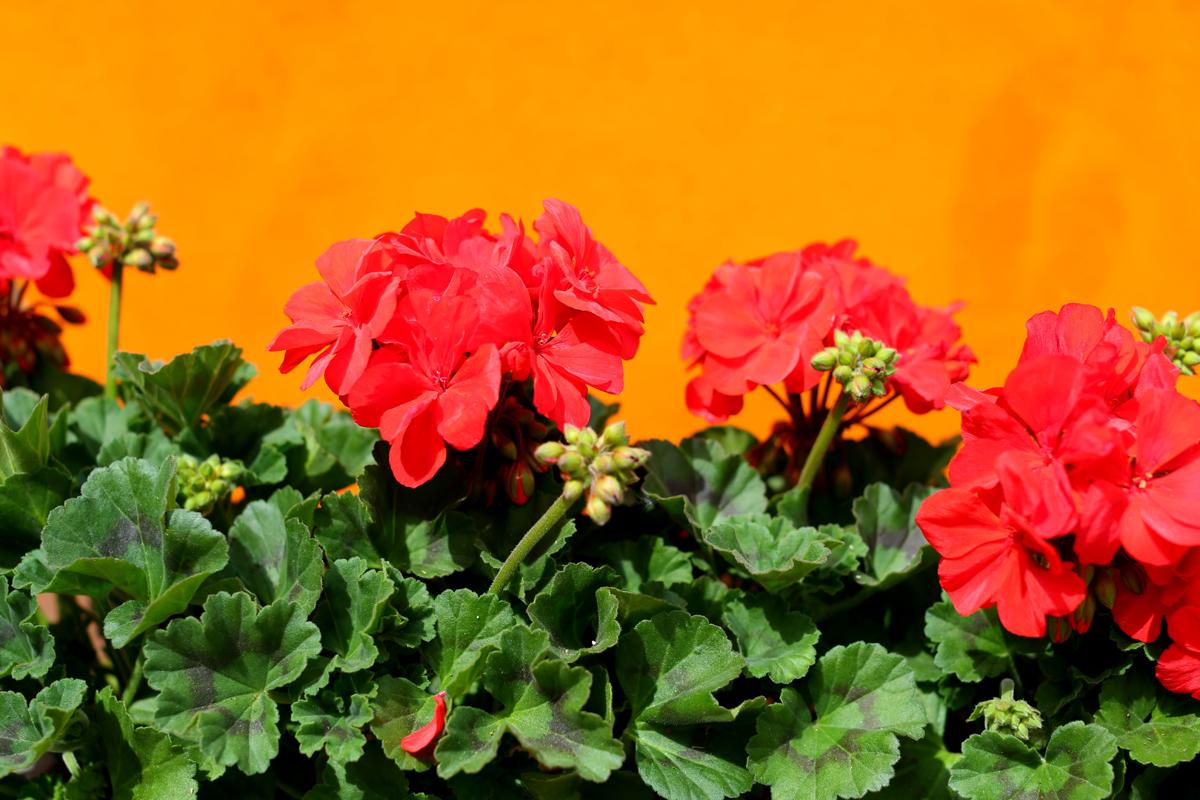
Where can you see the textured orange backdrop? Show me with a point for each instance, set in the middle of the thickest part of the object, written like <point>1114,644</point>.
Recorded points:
<point>1016,155</point>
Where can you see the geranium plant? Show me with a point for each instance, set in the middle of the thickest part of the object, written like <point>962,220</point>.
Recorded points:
<point>472,582</point>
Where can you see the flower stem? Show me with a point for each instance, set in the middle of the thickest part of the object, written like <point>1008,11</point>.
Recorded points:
<point>824,437</point>
<point>114,327</point>
<point>539,529</point>
<point>135,680</point>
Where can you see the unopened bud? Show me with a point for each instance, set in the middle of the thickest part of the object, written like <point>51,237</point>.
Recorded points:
<point>1105,588</point>
<point>1133,580</point>
<point>614,436</point>
<point>519,482</point>
<point>604,464</point>
<point>1059,629</point>
<point>843,374</point>
<point>570,462</point>
<point>841,338</point>
<point>572,490</point>
<point>571,434</point>
<point>608,489</point>
<point>629,458</point>
<point>598,510</point>
<point>873,366</point>
<point>100,256</point>
<point>859,388</point>
<point>1142,318</point>
<point>139,258</point>
<point>549,452</point>
<point>824,361</point>
<point>886,354</point>
<point>1082,619</point>
<point>1191,358</point>
<point>85,244</point>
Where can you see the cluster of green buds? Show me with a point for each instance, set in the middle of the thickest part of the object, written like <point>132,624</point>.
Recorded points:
<point>1006,715</point>
<point>602,465</point>
<point>203,484</point>
<point>861,365</point>
<point>1182,335</point>
<point>133,243</point>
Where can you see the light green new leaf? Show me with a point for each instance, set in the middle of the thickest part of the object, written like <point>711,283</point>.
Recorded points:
<point>647,560</point>
<point>30,728</point>
<point>887,523</point>
<point>774,553</point>
<point>275,556</point>
<point>971,648</point>
<point>1076,766</point>
<point>774,641</point>
<point>332,721</point>
<point>579,619</point>
<point>121,533</point>
<point>698,483</point>
<point>214,676</point>
<point>542,704</point>
<point>143,763</point>
<point>177,394</point>
<point>354,604</point>
<point>468,628</point>
<point>1155,726</point>
<point>400,707</point>
<point>862,697</point>
<point>28,447</point>
<point>26,645</point>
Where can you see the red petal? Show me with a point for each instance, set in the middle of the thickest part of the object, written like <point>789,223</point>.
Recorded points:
<point>422,738</point>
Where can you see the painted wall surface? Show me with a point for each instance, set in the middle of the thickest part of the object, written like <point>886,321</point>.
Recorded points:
<point>1015,155</point>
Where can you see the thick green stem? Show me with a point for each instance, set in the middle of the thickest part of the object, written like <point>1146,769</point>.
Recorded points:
<point>824,437</point>
<point>114,327</point>
<point>544,525</point>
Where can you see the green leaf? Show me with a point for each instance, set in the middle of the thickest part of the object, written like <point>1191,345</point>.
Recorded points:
<point>354,603</point>
<point>774,553</point>
<point>325,449</point>
<point>153,446</point>
<point>275,557</point>
<point>96,421</point>
<point>214,676</point>
<point>122,532</point>
<point>699,483</point>
<point>887,524</point>
<point>862,697</point>
<point>332,721</point>
<point>971,648</point>
<point>647,560</point>
<point>371,777</point>
<point>343,527</point>
<point>1076,766</point>
<point>532,572</point>
<point>922,772</point>
<point>579,620</point>
<point>1155,726</point>
<point>28,729</point>
<point>676,765</point>
<point>775,642</point>
<point>25,503</point>
<point>670,666</point>
<point>26,646</point>
<point>28,447</point>
<point>412,618</point>
<point>400,707</point>
<point>468,628</point>
<point>542,704</point>
<point>177,394</point>
<point>143,764</point>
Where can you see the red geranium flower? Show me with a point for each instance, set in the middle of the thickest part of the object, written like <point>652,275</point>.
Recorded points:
<point>991,557</point>
<point>337,320</point>
<point>43,208</point>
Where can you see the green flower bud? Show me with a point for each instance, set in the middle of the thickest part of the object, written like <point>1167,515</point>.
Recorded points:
<point>571,434</point>
<point>571,462</point>
<point>604,464</point>
<point>139,258</point>
<point>873,366</point>
<point>572,490</point>
<point>549,452</point>
<point>824,361</point>
<point>143,237</point>
<point>859,388</point>
<point>840,338</point>
<point>598,510</point>
<point>843,374</point>
<point>608,489</point>
<point>846,358</point>
<point>85,244</point>
<point>886,354</point>
<point>1191,358</point>
<point>230,470</point>
<point>1142,318</point>
<point>199,501</point>
<point>100,255</point>
<point>614,436</point>
<point>629,458</point>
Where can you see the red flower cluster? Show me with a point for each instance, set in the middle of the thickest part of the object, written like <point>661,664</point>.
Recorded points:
<point>43,207</point>
<point>760,323</point>
<point>1077,485</point>
<point>422,332</point>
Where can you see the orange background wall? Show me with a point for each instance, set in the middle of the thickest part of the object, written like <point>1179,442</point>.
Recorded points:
<point>1016,155</point>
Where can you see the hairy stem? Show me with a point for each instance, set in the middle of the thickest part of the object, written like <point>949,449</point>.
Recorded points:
<point>114,327</point>
<point>824,437</point>
<point>539,529</point>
